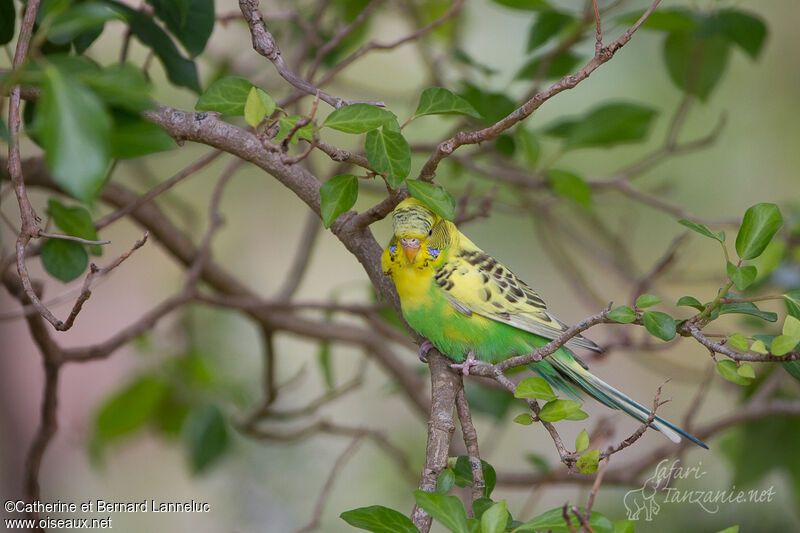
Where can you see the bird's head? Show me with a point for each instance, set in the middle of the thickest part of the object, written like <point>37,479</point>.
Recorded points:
<point>416,227</point>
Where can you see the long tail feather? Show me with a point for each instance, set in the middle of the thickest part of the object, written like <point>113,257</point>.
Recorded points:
<point>562,371</point>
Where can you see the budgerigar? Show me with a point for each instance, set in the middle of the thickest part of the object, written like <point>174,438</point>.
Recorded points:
<point>470,306</point>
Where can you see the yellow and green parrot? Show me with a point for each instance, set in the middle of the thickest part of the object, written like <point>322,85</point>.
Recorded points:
<point>472,308</point>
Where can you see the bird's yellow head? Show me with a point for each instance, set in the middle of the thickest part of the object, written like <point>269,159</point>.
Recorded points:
<point>416,227</point>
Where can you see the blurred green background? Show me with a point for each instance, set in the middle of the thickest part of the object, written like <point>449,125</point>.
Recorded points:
<point>272,486</point>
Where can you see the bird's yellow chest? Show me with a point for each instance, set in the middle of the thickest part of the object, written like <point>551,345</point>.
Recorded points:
<point>413,285</point>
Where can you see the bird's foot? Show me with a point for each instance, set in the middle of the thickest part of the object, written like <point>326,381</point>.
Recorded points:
<point>423,351</point>
<point>468,363</point>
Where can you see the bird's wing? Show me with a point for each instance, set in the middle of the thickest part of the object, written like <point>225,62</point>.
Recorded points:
<point>475,282</point>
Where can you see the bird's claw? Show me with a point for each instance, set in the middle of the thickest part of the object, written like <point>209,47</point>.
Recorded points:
<point>468,363</point>
<point>423,351</point>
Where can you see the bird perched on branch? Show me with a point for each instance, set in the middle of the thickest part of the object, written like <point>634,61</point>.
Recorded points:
<point>472,308</point>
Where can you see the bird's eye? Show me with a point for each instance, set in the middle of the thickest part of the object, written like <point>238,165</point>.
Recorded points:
<point>430,232</point>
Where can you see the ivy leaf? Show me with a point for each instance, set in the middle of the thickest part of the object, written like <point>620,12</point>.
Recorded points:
<point>68,24</point>
<point>729,371</point>
<point>227,95</point>
<point>690,301</point>
<point>206,436</point>
<point>743,276</point>
<point>74,129</point>
<point>696,62</point>
<point>557,67</point>
<point>64,260</point>
<point>570,185</point>
<point>556,410</point>
<point>191,21</point>
<point>703,230</point>
<point>738,341</point>
<point>436,198</point>
<point>337,195</point>
<point>75,221</point>
<point>548,24</point>
<point>358,118</point>
<point>446,510</point>
<point>257,106</point>
<point>379,519</point>
<point>760,223</point>
<point>588,462</point>
<point>437,101</point>
<point>388,151</point>
<point>133,136</point>
<point>582,441</point>
<point>605,126</point>
<point>647,300</point>
<point>622,314</point>
<point>535,388</point>
<point>659,324</point>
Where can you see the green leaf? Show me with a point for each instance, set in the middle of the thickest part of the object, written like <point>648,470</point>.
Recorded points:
<point>74,129</point>
<point>492,106</point>
<point>437,101</point>
<point>746,371</point>
<point>134,136</point>
<point>524,419</point>
<point>445,481</point>
<point>759,347</point>
<point>180,70</point>
<point>258,106</point>
<point>588,462</point>
<point>556,410</point>
<point>556,67</point>
<point>388,151</point>
<point>703,230</point>
<point>495,518</point>
<point>122,86</point>
<point>647,300</point>
<point>524,5</point>
<point>760,223</point>
<point>553,522</point>
<point>324,361</point>
<point>358,118</point>
<point>622,314</point>
<point>695,63</point>
<point>577,416</point>
<point>690,301</point>
<point>659,324</point>
<point>624,526</point>
<point>227,95</point>
<point>783,344</point>
<point>746,308</point>
<point>747,30</point>
<point>531,148</point>
<point>446,510</point>
<point>791,326</point>
<point>605,126</point>
<point>738,341</point>
<point>337,195</point>
<point>463,472</point>
<point>75,221</point>
<point>379,519</point>
<point>64,260</point>
<point>287,124</point>
<point>732,529</point>
<point>729,371</point>
<point>668,20</point>
<point>792,301</point>
<point>130,408</point>
<point>191,21</point>
<point>535,388</point>
<point>436,198</point>
<point>206,436</point>
<point>68,24</point>
<point>548,24</point>
<point>8,15</point>
<point>505,145</point>
<point>582,441</point>
<point>743,276</point>
<point>570,185</point>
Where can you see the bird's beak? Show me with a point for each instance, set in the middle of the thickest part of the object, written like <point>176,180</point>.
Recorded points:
<point>410,248</point>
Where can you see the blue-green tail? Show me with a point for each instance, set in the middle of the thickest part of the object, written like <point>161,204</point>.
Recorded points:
<point>563,371</point>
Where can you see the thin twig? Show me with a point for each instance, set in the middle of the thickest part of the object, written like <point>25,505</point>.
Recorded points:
<point>71,238</point>
<point>471,442</point>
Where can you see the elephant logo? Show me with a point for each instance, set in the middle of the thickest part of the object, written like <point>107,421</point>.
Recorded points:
<point>643,499</point>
